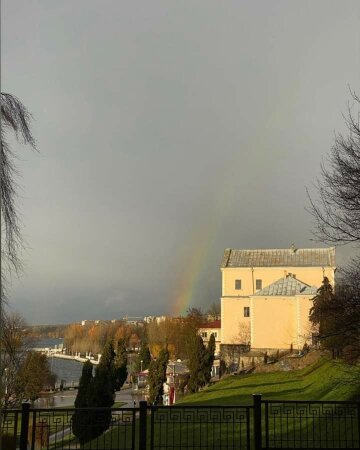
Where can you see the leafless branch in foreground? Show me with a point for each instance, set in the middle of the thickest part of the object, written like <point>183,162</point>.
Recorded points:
<point>337,209</point>
<point>16,118</point>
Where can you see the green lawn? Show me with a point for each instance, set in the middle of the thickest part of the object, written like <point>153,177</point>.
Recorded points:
<point>323,380</point>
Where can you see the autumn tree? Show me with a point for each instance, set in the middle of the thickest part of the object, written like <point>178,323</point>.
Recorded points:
<point>13,354</point>
<point>35,375</point>
<point>15,118</point>
<point>74,333</point>
<point>214,311</point>
<point>196,315</point>
<point>25,373</point>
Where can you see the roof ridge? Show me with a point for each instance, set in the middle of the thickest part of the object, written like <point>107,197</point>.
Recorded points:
<point>278,248</point>
<point>280,257</point>
<point>282,286</point>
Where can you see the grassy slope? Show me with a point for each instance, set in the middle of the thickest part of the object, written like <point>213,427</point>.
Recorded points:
<point>323,380</point>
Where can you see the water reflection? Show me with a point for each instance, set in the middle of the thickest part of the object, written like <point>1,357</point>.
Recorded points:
<point>67,398</point>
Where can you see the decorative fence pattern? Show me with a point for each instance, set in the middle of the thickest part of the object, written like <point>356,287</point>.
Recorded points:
<point>196,427</point>
<point>11,423</point>
<point>317,424</point>
<point>263,425</point>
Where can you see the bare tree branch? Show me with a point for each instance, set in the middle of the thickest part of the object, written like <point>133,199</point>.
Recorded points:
<point>337,209</point>
<point>15,117</point>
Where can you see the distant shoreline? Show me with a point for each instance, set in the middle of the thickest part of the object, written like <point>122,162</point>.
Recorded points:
<point>73,358</point>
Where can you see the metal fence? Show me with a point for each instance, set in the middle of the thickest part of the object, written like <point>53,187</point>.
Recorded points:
<point>10,429</point>
<point>311,424</point>
<point>264,424</point>
<point>197,427</point>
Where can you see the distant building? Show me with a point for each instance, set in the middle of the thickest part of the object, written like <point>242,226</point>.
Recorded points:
<point>267,295</point>
<point>156,319</point>
<point>209,328</point>
<point>133,320</point>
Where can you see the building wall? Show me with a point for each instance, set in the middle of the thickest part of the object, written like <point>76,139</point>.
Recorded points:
<point>289,322</point>
<point>234,326</point>
<point>309,275</point>
<point>275,322</point>
<point>305,326</point>
<point>209,332</point>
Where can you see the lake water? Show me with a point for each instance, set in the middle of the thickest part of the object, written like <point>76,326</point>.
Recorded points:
<point>65,369</point>
<point>48,342</point>
<point>70,370</point>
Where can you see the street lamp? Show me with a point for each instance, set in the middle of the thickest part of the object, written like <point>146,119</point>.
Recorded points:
<point>141,365</point>
<point>6,380</point>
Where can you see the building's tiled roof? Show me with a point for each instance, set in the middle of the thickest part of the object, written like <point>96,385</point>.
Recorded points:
<point>287,286</point>
<point>283,257</point>
<point>214,324</point>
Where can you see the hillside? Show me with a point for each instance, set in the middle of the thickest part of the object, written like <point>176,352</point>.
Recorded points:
<point>323,380</point>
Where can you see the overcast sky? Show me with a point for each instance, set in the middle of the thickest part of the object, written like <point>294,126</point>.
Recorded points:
<point>167,131</point>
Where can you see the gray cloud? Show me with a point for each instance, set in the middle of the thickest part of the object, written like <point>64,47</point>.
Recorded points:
<point>166,130</point>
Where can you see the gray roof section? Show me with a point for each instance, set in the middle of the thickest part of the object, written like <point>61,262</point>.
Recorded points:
<point>283,257</point>
<point>287,286</point>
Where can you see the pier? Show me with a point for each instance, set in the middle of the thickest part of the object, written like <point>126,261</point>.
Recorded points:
<point>59,353</point>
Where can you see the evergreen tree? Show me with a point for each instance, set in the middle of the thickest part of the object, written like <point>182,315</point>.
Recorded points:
<point>324,314</point>
<point>102,387</point>
<point>157,377</point>
<point>107,357</point>
<point>120,365</point>
<point>197,365</point>
<point>321,303</point>
<point>144,356</point>
<point>102,391</point>
<point>209,357</point>
<point>82,420</point>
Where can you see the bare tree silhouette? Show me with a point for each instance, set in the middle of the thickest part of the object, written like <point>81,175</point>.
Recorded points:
<point>16,118</point>
<point>337,210</point>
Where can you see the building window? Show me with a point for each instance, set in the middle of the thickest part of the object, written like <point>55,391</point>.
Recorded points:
<point>246,311</point>
<point>215,334</point>
<point>237,285</point>
<point>204,334</point>
<point>258,284</point>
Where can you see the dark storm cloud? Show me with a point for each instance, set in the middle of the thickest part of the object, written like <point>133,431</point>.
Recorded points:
<point>158,123</point>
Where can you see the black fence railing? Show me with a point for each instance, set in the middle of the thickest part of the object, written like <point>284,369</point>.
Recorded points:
<point>196,427</point>
<point>316,424</point>
<point>263,425</point>
<point>10,428</point>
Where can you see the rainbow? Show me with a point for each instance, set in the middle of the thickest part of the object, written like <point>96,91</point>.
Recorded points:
<point>202,244</point>
<point>188,282</point>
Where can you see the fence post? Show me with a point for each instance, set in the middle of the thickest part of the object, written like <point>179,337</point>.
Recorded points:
<point>358,412</point>
<point>257,421</point>
<point>142,425</point>
<point>25,413</point>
